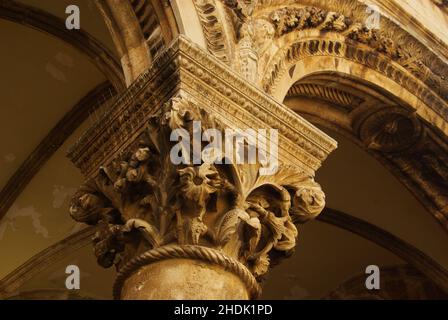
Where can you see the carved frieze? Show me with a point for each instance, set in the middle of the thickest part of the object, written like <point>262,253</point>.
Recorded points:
<point>329,22</point>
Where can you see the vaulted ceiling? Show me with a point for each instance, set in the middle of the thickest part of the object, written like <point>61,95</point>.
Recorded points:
<point>51,89</point>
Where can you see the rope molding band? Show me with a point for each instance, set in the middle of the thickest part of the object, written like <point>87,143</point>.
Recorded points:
<point>187,252</point>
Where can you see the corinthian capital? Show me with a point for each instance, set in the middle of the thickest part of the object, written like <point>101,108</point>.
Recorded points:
<point>142,199</point>
<point>191,183</point>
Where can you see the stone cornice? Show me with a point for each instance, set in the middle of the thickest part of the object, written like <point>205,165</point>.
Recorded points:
<point>184,66</point>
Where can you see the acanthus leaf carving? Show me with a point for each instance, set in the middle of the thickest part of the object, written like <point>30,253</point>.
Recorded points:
<point>142,200</point>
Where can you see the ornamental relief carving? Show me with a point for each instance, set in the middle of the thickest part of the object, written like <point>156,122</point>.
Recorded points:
<point>337,96</point>
<point>213,29</point>
<point>338,28</point>
<point>390,129</point>
<point>260,26</point>
<point>287,20</point>
<point>314,48</point>
<point>141,200</point>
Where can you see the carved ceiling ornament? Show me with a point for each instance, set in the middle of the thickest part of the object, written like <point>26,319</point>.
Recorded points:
<point>213,29</point>
<point>344,99</point>
<point>148,207</point>
<point>390,130</point>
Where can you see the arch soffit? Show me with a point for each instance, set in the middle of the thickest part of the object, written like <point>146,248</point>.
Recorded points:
<point>139,29</point>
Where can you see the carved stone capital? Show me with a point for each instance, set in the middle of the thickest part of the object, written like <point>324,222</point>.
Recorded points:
<point>161,192</point>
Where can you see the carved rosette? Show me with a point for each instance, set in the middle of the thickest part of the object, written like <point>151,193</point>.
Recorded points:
<point>142,201</point>
<point>390,129</point>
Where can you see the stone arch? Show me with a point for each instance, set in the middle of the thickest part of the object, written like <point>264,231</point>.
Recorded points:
<point>402,82</point>
<point>261,32</point>
<point>355,72</point>
<point>391,125</point>
<point>278,44</point>
<point>308,57</point>
<point>84,42</point>
<point>140,29</point>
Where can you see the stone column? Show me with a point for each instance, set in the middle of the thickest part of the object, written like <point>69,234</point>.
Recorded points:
<point>196,181</point>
